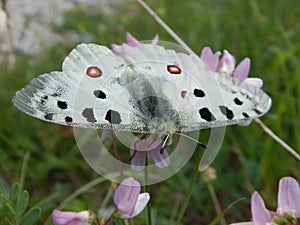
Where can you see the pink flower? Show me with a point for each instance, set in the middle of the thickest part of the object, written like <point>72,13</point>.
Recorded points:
<point>289,196</point>
<point>71,218</point>
<point>130,42</point>
<point>226,64</point>
<point>288,205</point>
<point>139,150</point>
<point>211,59</point>
<point>128,199</point>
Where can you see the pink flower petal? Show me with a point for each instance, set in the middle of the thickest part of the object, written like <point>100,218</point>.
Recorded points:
<point>144,145</point>
<point>227,63</point>
<point>155,39</point>
<point>138,160</point>
<point>70,218</point>
<point>130,40</point>
<point>160,160</point>
<point>117,49</point>
<point>141,147</point>
<point>242,70</point>
<point>245,123</point>
<point>126,196</point>
<point>141,203</point>
<point>259,212</point>
<point>138,154</point>
<point>243,223</point>
<point>211,59</point>
<point>289,196</point>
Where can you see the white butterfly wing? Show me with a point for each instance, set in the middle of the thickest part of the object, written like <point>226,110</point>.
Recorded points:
<point>100,89</point>
<point>74,97</point>
<point>203,98</point>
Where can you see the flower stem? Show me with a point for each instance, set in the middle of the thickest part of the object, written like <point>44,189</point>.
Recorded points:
<point>215,201</point>
<point>130,221</point>
<point>165,26</point>
<point>147,189</point>
<point>106,222</point>
<point>277,139</point>
<point>191,188</point>
<point>117,155</point>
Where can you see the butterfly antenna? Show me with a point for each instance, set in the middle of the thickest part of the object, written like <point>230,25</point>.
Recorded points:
<point>166,137</point>
<point>199,143</point>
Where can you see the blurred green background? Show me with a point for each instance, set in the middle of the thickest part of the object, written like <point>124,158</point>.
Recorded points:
<point>267,31</point>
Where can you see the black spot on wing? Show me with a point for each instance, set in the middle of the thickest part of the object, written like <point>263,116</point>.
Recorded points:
<point>49,116</point>
<point>237,101</point>
<point>199,93</point>
<point>62,104</point>
<point>68,119</point>
<point>113,116</point>
<point>257,111</point>
<point>206,114</point>
<point>88,113</point>
<point>245,115</point>
<point>227,112</point>
<point>44,99</point>
<point>99,94</point>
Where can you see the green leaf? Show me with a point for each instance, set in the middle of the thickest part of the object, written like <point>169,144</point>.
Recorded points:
<point>14,192</point>
<point>8,221</point>
<point>5,198</point>
<point>3,190</point>
<point>22,203</point>
<point>10,208</point>
<point>118,222</point>
<point>32,216</point>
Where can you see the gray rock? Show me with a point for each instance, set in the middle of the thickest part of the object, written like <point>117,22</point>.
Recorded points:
<point>26,25</point>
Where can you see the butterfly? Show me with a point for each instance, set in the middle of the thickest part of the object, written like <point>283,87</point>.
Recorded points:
<point>147,89</point>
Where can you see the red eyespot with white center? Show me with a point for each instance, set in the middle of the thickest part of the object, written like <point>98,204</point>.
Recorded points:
<point>173,69</point>
<point>93,71</point>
